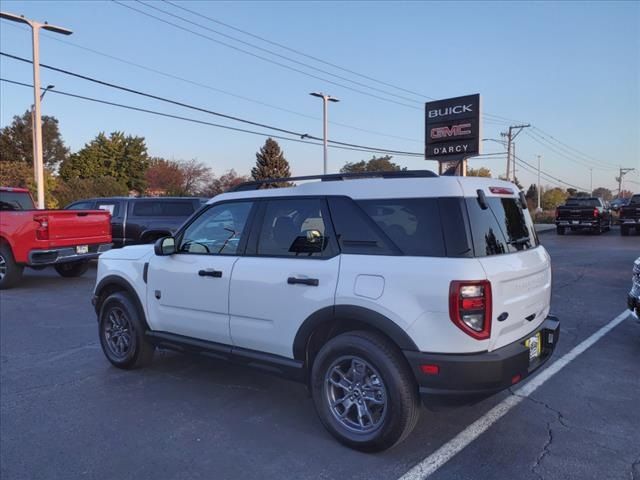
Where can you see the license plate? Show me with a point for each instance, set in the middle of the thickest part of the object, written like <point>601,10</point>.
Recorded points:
<point>535,346</point>
<point>82,249</point>
<point>575,222</point>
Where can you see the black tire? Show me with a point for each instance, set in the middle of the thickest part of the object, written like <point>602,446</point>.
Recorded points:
<point>122,333</point>
<point>389,376</point>
<point>560,230</point>
<point>10,271</point>
<point>72,269</point>
<point>624,230</point>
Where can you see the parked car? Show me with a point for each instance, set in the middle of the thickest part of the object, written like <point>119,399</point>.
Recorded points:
<point>630,216</point>
<point>374,292</point>
<point>39,238</point>
<point>617,203</point>
<point>583,213</point>
<point>142,220</point>
<point>633,299</point>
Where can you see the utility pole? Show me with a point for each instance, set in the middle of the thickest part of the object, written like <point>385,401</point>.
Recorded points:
<point>623,172</point>
<point>539,209</point>
<point>325,99</point>
<point>511,136</point>
<point>591,172</point>
<point>37,116</point>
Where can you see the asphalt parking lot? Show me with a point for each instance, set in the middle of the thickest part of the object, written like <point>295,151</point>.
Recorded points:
<point>66,413</point>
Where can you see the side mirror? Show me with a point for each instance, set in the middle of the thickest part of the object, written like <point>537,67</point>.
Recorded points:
<point>165,246</point>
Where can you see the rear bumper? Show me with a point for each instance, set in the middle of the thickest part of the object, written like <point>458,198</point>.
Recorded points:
<point>65,254</point>
<point>578,223</point>
<point>630,221</point>
<point>465,377</point>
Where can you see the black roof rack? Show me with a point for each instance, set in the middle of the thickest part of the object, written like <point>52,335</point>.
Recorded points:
<point>332,177</point>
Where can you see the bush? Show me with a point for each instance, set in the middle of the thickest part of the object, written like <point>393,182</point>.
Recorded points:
<point>80,188</point>
<point>547,216</point>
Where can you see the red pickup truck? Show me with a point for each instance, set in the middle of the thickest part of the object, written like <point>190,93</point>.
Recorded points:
<point>66,239</point>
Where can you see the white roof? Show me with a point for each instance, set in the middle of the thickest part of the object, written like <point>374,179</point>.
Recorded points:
<point>372,188</point>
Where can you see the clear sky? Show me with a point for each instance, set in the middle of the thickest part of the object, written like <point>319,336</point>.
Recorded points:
<point>571,69</point>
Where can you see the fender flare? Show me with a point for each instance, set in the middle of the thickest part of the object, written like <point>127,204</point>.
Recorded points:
<point>124,285</point>
<point>330,315</point>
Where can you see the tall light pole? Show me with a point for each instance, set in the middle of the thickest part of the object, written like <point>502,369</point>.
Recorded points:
<point>325,98</point>
<point>591,174</point>
<point>33,129</point>
<point>539,209</point>
<point>37,132</point>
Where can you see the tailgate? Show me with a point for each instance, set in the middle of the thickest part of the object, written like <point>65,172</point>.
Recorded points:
<point>630,212</point>
<point>521,287</point>
<point>575,213</point>
<point>73,227</point>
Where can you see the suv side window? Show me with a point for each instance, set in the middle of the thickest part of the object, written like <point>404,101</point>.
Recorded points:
<point>162,208</point>
<point>112,207</point>
<point>295,227</point>
<point>217,231</point>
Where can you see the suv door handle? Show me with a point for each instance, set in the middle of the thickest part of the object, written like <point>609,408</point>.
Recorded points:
<point>210,273</point>
<point>312,282</point>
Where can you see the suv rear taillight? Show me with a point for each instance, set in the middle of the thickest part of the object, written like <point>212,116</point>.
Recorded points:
<point>595,212</point>
<point>557,213</point>
<point>42,232</point>
<point>470,307</point>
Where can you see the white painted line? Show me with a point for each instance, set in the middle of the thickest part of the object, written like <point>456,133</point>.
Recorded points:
<point>454,446</point>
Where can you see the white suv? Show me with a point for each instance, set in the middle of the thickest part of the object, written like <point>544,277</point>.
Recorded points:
<point>375,292</point>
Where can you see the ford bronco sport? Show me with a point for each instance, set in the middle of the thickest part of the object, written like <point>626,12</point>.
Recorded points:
<point>374,292</point>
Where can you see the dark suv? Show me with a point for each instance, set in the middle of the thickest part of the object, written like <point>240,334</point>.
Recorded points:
<point>142,220</point>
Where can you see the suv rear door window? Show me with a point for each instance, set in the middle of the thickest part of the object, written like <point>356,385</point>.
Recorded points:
<point>296,227</point>
<point>413,224</point>
<point>112,207</point>
<point>163,208</point>
<point>501,228</point>
<point>81,206</point>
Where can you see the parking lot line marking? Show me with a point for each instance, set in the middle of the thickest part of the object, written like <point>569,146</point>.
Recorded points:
<point>454,446</point>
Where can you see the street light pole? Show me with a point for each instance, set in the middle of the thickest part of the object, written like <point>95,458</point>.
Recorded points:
<point>33,129</point>
<point>37,115</point>
<point>325,121</point>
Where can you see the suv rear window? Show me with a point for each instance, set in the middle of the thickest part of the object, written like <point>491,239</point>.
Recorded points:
<point>156,208</point>
<point>502,227</point>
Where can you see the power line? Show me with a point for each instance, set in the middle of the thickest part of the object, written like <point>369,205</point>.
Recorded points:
<point>283,65</point>
<point>271,52</point>
<point>566,153</point>
<point>592,159</point>
<point>298,52</point>
<point>204,110</point>
<point>219,90</point>
<point>549,175</point>
<point>192,120</point>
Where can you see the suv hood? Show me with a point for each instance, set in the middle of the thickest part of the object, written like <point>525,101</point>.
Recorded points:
<point>133,252</point>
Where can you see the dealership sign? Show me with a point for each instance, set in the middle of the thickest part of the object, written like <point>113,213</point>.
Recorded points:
<point>452,128</point>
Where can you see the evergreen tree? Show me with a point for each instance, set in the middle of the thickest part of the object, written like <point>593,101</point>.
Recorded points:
<point>270,163</point>
<point>119,156</point>
<point>376,164</point>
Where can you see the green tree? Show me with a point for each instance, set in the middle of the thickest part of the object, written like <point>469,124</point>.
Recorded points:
<point>270,163</point>
<point>604,193</point>
<point>20,174</point>
<point>79,188</point>
<point>376,164</point>
<point>16,141</point>
<point>119,156</point>
<point>552,197</point>
<point>479,172</point>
